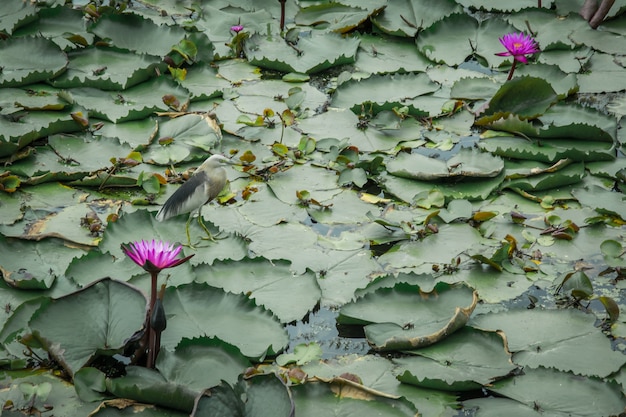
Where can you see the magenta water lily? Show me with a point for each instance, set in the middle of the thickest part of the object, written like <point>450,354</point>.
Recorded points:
<point>236,28</point>
<point>154,255</point>
<point>518,45</point>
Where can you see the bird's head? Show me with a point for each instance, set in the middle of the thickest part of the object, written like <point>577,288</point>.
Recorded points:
<point>216,161</point>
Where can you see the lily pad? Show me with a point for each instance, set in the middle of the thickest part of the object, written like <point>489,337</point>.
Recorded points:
<point>16,13</point>
<point>466,163</point>
<point>106,69</point>
<point>341,398</point>
<point>405,18</point>
<point>466,360</point>
<point>383,92</point>
<point>526,97</point>
<point>310,55</point>
<point>135,103</point>
<point>566,340</point>
<point>136,33</point>
<point>39,391</point>
<point>261,395</point>
<point>561,393</point>
<point>334,17</point>
<point>146,385</point>
<point>379,54</point>
<point>44,61</point>
<point>406,318</point>
<point>112,312</point>
<point>38,265</point>
<point>266,282</point>
<point>549,150</point>
<point>201,363</point>
<point>231,318</point>
<point>63,25</point>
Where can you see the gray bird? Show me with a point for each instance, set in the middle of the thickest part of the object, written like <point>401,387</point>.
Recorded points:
<point>204,185</point>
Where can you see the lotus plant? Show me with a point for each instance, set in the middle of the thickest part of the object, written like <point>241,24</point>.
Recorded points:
<point>518,45</point>
<point>154,256</point>
<point>239,37</point>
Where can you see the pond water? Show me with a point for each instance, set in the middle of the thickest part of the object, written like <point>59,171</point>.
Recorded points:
<point>321,327</point>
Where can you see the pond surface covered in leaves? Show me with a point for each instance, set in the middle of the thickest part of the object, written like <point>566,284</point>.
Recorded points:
<point>406,231</point>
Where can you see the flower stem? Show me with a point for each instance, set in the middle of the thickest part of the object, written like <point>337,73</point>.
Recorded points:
<point>282,14</point>
<point>511,71</point>
<point>151,334</point>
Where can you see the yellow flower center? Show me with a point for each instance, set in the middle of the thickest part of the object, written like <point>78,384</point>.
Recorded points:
<point>517,45</point>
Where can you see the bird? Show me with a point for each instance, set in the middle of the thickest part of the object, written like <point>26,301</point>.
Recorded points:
<point>203,186</point>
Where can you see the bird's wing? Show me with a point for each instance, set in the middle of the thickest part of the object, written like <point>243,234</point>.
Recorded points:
<point>188,197</point>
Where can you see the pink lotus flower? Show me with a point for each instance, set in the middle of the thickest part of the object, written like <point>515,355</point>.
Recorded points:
<point>518,46</point>
<point>236,28</point>
<point>155,255</point>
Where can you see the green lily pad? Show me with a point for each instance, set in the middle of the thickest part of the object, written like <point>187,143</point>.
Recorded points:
<point>146,385</point>
<point>63,25</point>
<point>603,201</point>
<point>311,55</point>
<point>38,265</point>
<point>201,363</point>
<point>466,163</point>
<point>40,391</point>
<point>560,393</point>
<point>549,150</point>
<point>605,74</point>
<point>266,283</point>
<point>24,128</point>
<point>575,122</point>
<point>261,395</point>
<point>106,69</point>
<point>526,97</point>
<point>192,137</point>
<point>459,36</point>
<point>466,360</point>
<point>410,191</point>
<point>566,340</point>
<point>334,17</point>
<point>383,92</point>
<point>380,374</point>
<point>197,310</point>
<point>113,311</point>
<point>404,18</point>
<point>571,174</point>
<point>301,354</point>
<point>135,33</point>
<point>341,397</point>
<point>406,318</point>
<point>135,103</point>
<point>36,97</point>
<point>16,13</point>
<point>44,61</point>
<point>381,54</point>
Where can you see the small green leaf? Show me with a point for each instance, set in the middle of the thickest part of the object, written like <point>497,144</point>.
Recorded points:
<point>302,354</point>
<point>611,307</point>
<point>612,248</point>
<point>577,284</point>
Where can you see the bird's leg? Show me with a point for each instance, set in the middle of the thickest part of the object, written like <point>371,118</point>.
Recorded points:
<point>187,229</point>
<point>201,223</point>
